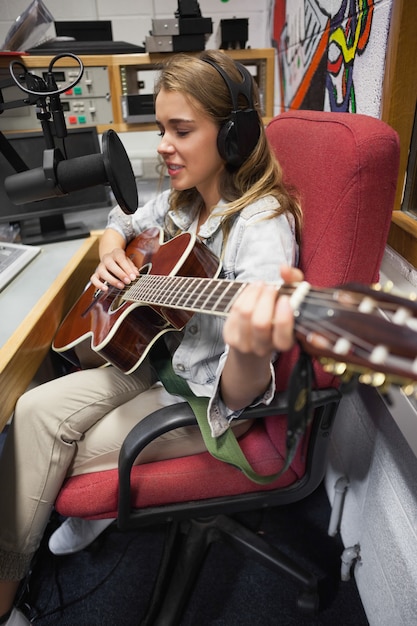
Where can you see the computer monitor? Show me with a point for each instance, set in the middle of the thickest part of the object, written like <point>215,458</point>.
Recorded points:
<point>85,30</point>
<point>43,221</point>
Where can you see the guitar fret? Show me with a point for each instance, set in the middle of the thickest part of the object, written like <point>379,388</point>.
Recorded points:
<point>202,303</point>
<point>173,293</point>
<point>158,291</point>
<point>220,302</point>
<point>168,290</point>
<point>205,304</point>
<point>208,295</point>
<point>235,287</point>
<point>191,286</point>
<point>202,292</point>
<point>204,298</point>
<point>144,289</point>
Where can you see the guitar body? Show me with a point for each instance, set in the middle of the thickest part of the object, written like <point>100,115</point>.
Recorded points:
<point>102,328</point>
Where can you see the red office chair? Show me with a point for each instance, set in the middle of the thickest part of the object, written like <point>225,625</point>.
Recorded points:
<point>345,167</point>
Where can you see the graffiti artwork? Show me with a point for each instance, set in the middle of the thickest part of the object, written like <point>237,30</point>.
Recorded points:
<point>318,44</point>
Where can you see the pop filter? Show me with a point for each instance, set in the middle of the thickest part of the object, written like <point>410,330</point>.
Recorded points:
<point>59,176</point>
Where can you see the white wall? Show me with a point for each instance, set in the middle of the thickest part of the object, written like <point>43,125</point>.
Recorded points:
<point>132,19</point>
<point>374,446</point>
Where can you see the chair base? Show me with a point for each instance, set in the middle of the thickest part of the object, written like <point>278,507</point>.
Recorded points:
<point>184,552</point>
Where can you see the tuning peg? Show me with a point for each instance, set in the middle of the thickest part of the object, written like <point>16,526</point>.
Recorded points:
<point>375,379</point>
<point>334,367</point>
<point>386,287</point>
<point>409,389</point>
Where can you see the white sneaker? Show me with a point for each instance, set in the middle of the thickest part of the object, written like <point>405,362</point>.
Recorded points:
<point>75,534</point>
<point>17,619</point>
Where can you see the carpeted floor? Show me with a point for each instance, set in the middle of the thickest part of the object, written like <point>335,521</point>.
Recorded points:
<point>110,583</point>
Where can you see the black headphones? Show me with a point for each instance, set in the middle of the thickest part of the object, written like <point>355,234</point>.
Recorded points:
<point>240,133</point>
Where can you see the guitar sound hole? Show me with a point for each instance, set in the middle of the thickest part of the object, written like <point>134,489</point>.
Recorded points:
<point>117,302</point>
<point>145,269</point>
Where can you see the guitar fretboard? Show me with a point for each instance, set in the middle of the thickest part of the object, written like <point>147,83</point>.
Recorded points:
<point>205,295</point>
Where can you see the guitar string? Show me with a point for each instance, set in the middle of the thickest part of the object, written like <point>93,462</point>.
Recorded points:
<point>164,289</point>
<point>355,347</point>
<point>359,348</point>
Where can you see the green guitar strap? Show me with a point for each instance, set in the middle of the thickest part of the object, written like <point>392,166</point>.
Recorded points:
<point>226,447</point>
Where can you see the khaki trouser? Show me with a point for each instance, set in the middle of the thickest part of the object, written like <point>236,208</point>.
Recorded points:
<point>73,425</point>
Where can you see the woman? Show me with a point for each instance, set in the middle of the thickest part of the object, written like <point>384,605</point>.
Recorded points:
<point>226,186</point>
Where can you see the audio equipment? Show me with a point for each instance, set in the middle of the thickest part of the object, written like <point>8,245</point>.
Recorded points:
<point>239,135</point>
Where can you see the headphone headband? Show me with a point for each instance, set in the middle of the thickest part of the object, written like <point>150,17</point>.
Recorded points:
<point>235,89</point>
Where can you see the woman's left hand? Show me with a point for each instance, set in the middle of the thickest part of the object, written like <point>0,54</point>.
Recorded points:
<point>260,320</point>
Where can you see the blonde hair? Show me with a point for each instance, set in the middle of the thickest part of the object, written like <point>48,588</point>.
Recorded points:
<point>260,174</point>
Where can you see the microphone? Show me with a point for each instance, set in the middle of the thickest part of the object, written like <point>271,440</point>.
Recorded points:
<point>58,176</point>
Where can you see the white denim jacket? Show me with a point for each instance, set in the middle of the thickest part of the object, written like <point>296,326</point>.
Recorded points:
<point>256,247</point>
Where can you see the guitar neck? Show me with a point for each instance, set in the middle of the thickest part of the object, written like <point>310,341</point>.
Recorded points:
<point>198,295</point>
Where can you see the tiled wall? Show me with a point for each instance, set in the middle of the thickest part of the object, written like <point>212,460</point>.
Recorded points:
<point>132,19</point>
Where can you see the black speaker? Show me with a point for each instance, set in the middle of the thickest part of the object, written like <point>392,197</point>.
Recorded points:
<point>240,133</point>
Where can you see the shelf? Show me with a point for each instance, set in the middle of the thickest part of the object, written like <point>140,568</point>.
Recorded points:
<point>122,71</point>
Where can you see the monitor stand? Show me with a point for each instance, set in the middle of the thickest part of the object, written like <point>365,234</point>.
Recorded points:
<point>51,229</point>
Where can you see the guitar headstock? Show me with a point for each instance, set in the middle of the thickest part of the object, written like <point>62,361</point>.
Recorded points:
<point>363,332</point>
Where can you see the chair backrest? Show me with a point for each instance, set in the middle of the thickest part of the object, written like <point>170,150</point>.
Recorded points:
<point>344,167</point>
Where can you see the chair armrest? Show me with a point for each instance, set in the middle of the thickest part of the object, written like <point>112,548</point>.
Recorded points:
<point>179,415</point>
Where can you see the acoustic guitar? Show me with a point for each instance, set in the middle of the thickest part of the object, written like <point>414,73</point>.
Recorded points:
<point>351,329</point>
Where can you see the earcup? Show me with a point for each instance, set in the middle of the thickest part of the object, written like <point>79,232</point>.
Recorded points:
<point>238,137</point>
<point>227,143</point>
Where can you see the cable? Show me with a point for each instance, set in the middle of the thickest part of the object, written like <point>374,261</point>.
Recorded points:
<point>65,605</point>
<point>44,93</point>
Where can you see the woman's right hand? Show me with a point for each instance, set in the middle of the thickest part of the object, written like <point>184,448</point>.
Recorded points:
<point>115,268</point>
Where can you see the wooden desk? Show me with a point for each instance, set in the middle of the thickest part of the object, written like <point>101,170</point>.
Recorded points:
<point>32,307</point>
